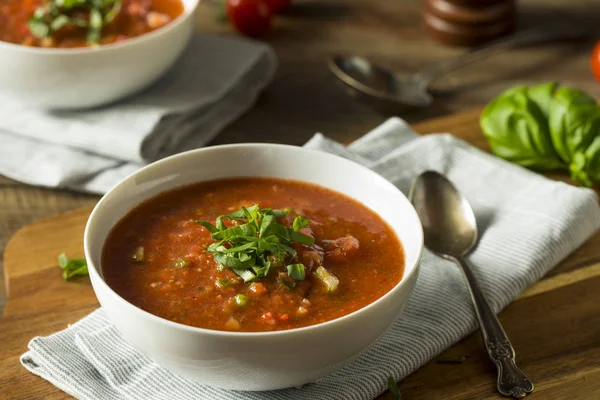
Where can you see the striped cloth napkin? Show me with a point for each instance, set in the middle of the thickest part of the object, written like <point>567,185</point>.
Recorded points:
<point>213,83</point>
<point>528,225</point>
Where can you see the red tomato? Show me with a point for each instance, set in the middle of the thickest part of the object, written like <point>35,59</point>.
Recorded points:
<point>250,17</point>
<point>277,6</point>
<point>596,61</point>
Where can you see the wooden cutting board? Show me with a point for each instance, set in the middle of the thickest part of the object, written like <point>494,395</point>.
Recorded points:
<point>554,326</point>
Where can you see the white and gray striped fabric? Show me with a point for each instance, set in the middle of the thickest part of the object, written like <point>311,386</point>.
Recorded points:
<point>528,225</point>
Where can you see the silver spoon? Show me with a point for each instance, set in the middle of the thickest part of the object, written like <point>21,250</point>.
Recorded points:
<point>451,232</point>
<point>411,91</point>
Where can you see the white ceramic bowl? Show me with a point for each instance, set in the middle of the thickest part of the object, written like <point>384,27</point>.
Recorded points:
<point>262,360</point>
<point>86,77</point>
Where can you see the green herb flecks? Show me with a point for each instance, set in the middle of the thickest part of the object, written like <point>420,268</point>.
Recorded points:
<point>92,15</point>
<point>296,271</point>
<point>257,242</point>
<point>240,300</point>
<point>393,388</point>
<point>223,282</point>
<point>72,267</point>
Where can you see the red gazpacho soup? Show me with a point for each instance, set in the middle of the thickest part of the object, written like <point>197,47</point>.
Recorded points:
<point>252,255</point>
<point>81,23</point>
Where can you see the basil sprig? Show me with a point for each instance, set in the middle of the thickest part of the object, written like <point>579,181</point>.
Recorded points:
<point>546,127</point>
<point>72,266</point>
<point>252,248</point>
<point>56,14</point>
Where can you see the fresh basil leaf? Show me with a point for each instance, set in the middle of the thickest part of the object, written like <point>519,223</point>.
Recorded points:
<point>517,131</point>
<point>574,122</point>
<point>238,231</point>
<point>585,164</point>
<point>265,225</point>
<point>72,272</point>
<point>296,271</point>
<point>220,224</point>
<point>287,249</point>
<point>245,274</point>
<point>233,262</point>
<point>276,229</point>
<point>239,214</point>
<point>72,267</point>
<point>300,222</point>
<point>211,228</point>
<point>275,213</point>
<point>245,257</point>
<point>237,249</point>
<point>261,272</point>
<point>542,96</point>
<point>301,238</point>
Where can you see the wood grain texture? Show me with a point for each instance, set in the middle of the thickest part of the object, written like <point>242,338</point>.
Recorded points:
<point>554,326</point>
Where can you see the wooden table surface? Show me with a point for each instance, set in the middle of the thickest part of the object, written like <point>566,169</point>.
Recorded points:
<point>304,98</point>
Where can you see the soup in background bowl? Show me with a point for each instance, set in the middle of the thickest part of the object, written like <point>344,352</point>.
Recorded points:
<point>155,235</point>
<point>55,24</point>
<point>66,76</point>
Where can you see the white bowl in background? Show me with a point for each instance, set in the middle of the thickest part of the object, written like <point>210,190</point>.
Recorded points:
<point>73,78</point>
<point>255,360</point>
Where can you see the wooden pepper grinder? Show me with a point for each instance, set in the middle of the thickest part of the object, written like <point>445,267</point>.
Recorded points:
<point>468,22</point>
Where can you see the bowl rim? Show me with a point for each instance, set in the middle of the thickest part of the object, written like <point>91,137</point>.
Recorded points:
<point>184,16</point>
<point>94,273</point>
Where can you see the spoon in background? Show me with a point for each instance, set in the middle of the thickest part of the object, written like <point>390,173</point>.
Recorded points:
<point>450,232</point>
<point>411,91</point>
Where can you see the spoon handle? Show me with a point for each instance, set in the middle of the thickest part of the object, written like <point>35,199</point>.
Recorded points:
<point>527,37</point>
<point>511,381</point>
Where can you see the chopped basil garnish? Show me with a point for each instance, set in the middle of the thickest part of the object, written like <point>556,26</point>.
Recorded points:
<point>393,387</point>
<point>296,271</point>
<point>300,222</point>
<point>257,243</point>
<point>55,14</point>
<point>72,267</point>
<point>223,282</point>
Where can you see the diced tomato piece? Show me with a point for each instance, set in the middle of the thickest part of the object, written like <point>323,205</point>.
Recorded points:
<point>284,317</point>
<point>268,318</point>
<point>258,288</point>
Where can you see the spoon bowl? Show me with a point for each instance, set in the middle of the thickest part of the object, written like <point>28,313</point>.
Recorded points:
<point>444,214</point>
<point>375,81</point>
